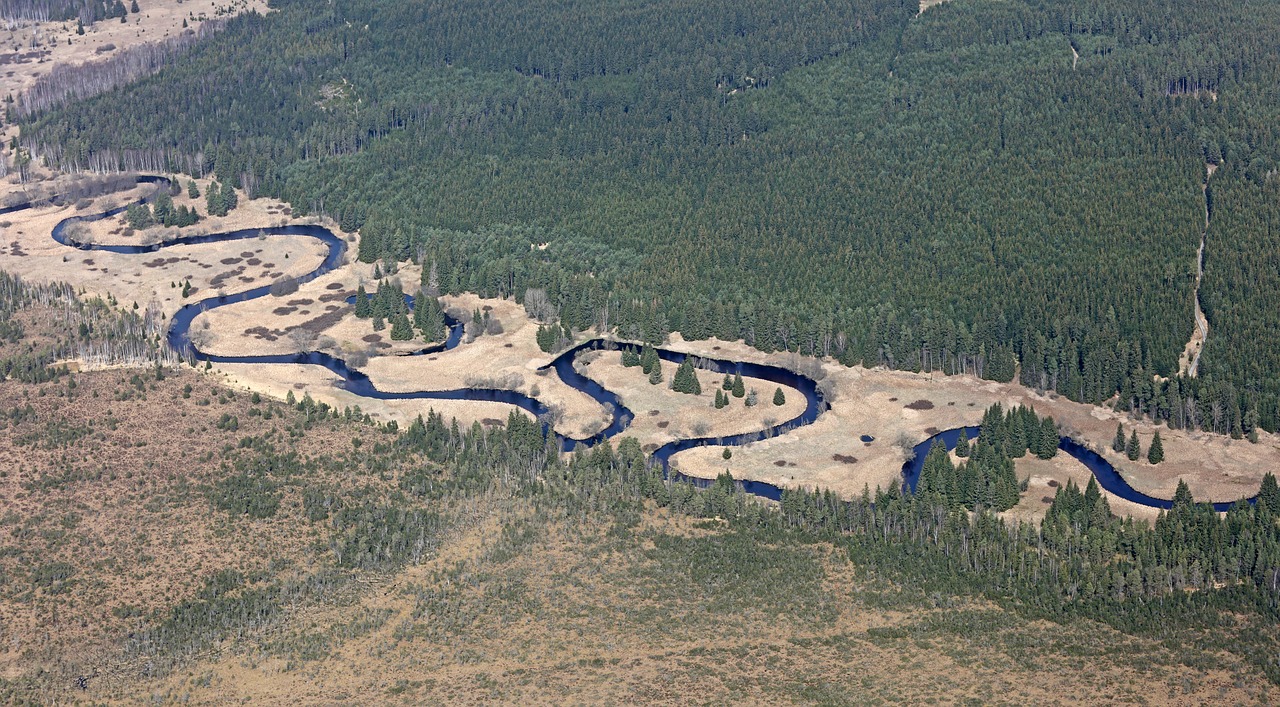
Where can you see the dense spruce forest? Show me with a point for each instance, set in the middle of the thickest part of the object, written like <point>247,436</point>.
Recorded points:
<point>1000,188</point>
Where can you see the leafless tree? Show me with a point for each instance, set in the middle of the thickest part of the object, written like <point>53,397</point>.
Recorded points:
<point>66,83</point>
<point>302,338</point>
<point>537,304</point>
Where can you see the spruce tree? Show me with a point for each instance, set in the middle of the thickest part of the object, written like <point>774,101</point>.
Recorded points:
<point>962,444</point>
<point>547,336</point>
<point>1133,449</point>
<point>753,398</point>
<point>721,399</point>
<point>1049,439</point>
<point>727,383</point>
<point>686,379</point>
<point>193,189</point>
<point>363,308</point>
<point>630,358</point>
<point>1118,444</point>
<point>1155,454</point>
<point>779,398</point>
<point>728,453</point>
<point>401,329</point>
<point>1269,494</point>
<point>655,375</point>
<point>649,359</point>
<point>739,388</point>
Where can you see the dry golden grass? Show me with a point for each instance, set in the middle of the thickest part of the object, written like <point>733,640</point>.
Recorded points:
<point>583,615</point>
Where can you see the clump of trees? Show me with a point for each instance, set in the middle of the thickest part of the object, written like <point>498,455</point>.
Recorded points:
<point>986,477</point>
<point>160,212</point>
<point>221,199</point>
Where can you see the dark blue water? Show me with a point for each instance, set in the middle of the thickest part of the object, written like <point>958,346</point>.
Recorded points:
<point>358,383</point>
<point>1106,474</point>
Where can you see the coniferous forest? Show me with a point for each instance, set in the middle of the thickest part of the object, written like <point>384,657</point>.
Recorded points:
<point>1001,188</point>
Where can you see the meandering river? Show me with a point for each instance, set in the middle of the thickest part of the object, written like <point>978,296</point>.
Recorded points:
<point>359,384</point>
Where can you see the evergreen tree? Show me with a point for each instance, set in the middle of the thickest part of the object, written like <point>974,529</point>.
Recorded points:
<point>428,317</point>
<point>213,200</point>
<point>401,329</point>
<point>728,454</point>
<point>1182,499</point>
<point>655,375</point>
<point>133,7</point>
<point>1269,494</point>
<point>721,399</point>
<point>378,324</point>
<point>138,216</point>
<point>727,383</point>
<point>739,388</point>
<point>1133,449</point>
<point>363,308</point>
<point>753,398</point>
<point>162,209</point>
<point>548,335</point>
<point>962,444</point>
<point>649,359</point>
<point>1049,439</point>
<point>1155,454</point>
<point>686,379</point>
<point>193,189</point>
<point>779,398</point>
<point>630,358</point>
<point>1118,444</point>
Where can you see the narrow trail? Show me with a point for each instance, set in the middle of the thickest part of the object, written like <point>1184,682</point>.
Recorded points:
<point>1189,362</point>
<point>1075,55</point>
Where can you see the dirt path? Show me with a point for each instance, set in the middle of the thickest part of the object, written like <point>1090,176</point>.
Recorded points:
<point>1189,362</point>
<point>1075,55</point>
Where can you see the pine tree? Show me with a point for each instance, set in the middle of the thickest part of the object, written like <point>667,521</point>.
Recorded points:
<point>686,379</point>
<point>721,399</point>
<point>727,383</point>
<point>162,209</point>
<point>962,444</point>
<point>213,200</point>
<point>728,453</point>
<point>1118,444</point>
<point>1049,439</point>
<point>1133,449</point>
<point>193,189</point>
<point>401,329</point>
<point>133,7</point>
<point>753,398</point>
<point>655,375</point>
<point>648,359</point>
<point>363,308</point>
<point>739,388</point>
<point>1269,494</point>
<point>1155,454</point>
<point>779,398</point>
<point>630,358</point>
<point>378,324</point>
<point>547,337</point>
